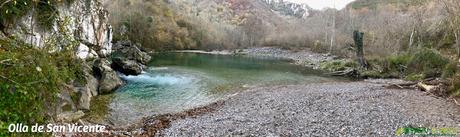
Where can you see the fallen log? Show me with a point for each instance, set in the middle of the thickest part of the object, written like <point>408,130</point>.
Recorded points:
<point>410,85</point>
<point>436,87</point>
<point>347,72</point>
<point>427,88</point>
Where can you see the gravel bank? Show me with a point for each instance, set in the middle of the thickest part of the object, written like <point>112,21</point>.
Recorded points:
<point>303,57</point>
<point>325,109</point>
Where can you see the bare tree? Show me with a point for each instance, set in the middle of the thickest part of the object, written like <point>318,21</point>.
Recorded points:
<point>452,8</point>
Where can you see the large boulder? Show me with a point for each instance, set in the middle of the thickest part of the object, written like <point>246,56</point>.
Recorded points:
<point>130,51</point>
<point>126,66</point>
<point>128,59</point>
<point>109,80</point>
<point>86,87</point>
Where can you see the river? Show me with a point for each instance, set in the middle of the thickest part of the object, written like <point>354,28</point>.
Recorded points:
<point>175,82</point>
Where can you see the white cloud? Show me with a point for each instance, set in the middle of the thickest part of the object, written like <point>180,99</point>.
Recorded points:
<point>320,4</point>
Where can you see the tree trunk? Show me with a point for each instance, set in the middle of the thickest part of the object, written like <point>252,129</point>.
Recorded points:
<point>333,35</point>
<point>457,43</point>
<point>32,26</point>
<point>358,38</point>
<point>411,39</point>
<point>325,38</point>
<point>419,41</point>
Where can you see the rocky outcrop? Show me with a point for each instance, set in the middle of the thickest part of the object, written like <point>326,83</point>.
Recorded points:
<point>128,59</point>
<point>85,21</point>
<point>288,8</point>
<point>80,25</point>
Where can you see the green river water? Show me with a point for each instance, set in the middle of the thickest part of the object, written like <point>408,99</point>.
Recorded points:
<point>175,82</point>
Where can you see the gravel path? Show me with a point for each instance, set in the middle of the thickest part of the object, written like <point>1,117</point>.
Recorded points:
<point>324,109</point>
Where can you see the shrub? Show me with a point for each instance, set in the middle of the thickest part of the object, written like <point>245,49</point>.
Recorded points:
<point>420,65</point>
<point>450,70</point>
<point>398,63</point>
<point>428,62</point>
<point>338,65</point>
<point>455,85</point>
<point>30,80</point>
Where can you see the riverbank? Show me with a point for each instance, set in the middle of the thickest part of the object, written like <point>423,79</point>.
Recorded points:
<point>363,108</point>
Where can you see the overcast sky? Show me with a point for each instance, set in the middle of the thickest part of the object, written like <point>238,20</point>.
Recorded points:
<point>320,4</point>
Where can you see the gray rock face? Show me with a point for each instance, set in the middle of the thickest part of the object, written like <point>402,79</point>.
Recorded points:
<point>108,78</point>
<point>128,58</point>
<point>288,8</point>
<point>87,23</point>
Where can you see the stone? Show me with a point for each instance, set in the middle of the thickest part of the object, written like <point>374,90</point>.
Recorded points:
<point>131,51</point>
<point>109,80</point>
<point>64,100</point>
<point>128,58</point>
<point>70,116</point>
<point>125,66</point>
<point>86,88</point>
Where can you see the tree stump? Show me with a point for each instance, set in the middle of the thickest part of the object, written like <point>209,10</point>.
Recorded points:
<point>358,38</point>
